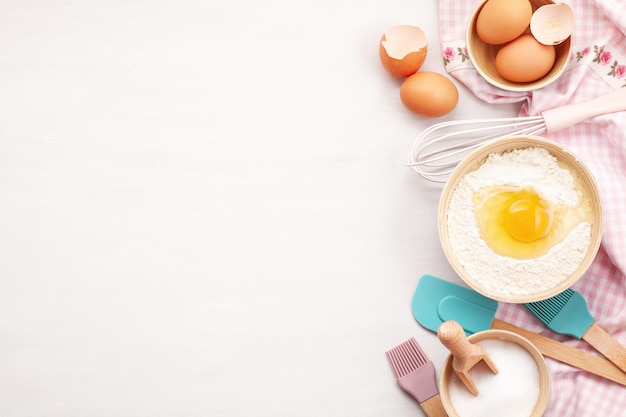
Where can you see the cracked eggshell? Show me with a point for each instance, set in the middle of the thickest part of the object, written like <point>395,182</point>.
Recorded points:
<point>552,24</point>
<point>402,50</point>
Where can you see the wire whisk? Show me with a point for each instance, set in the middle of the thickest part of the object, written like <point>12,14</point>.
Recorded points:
<point>439,148</point>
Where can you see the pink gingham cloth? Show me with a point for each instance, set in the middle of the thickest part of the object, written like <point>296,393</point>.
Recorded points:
<point>597,66</point>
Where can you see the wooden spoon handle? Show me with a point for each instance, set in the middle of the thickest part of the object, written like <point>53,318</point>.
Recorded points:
<point>604,343</point>
<point>567,354</point>
<point>452,336</point>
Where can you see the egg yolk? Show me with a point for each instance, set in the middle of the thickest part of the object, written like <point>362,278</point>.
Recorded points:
<point>516,222</point>
<point>526,220</point>
<point>523,223</point>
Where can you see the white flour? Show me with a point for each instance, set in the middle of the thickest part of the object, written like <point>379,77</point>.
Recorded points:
<point>501,276</point>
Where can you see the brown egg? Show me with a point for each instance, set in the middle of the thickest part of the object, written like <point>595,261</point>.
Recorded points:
<point>402,50</point>
<point>501,21</point>
<point>525,59</point>
<point>429,94</point>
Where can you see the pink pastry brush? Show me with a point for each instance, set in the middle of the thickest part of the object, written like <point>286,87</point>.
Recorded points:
<point>415,374</point>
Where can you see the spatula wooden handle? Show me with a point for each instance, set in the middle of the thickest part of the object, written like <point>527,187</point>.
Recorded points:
<point>567,354</point>
<point>433,407</point>
<point>604,343</point>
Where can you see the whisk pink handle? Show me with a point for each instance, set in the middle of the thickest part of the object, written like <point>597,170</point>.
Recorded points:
<point>571,114</point>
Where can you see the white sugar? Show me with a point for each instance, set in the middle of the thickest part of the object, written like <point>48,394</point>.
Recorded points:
<point>512,392</point>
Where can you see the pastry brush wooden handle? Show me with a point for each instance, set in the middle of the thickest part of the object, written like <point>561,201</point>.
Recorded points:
<point>604,343</point>
<point>567,354</point>
<point>433,407</point>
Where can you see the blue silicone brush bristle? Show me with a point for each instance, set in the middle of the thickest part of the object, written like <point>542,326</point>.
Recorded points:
<point>564,313</point>
<point>547,309</point>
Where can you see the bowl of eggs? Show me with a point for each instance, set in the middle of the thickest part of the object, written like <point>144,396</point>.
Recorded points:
<point>520,219</point>
<point>520,45</point>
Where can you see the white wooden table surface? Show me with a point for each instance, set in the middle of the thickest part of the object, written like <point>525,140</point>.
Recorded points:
<point>204,208</point>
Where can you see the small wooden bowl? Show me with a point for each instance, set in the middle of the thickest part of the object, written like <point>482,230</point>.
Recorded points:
<point>472,162</point>
<point>544,381</point>
<point>483,56</point>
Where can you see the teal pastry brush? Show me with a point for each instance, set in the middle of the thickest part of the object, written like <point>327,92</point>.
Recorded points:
<point>567,313</point>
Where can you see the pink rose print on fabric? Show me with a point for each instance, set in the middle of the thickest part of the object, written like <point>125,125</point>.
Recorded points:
<point>580,55</point>
<point>449,54</point>
<point>601,56</point>
<point>617,71</point>
<point>605,58</point>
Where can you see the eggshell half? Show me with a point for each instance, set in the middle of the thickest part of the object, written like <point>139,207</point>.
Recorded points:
<point>429,94</point>
<point>551,24</point>
<point>402,50</point>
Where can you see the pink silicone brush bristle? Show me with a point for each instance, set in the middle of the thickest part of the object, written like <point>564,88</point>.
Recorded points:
<point>415,373</point>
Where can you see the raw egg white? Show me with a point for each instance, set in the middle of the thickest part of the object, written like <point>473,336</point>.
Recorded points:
<point>429,94</point>
<point>501,21</point>
<point>520,223</point>
<point>402,50</point>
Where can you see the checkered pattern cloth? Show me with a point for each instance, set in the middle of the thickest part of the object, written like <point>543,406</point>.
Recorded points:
<point>597,66</point>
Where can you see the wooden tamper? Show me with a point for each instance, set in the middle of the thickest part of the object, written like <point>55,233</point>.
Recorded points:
<point>464,353</point>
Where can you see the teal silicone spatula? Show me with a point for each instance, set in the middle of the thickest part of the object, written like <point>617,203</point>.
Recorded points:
<point>567,313</point>
<point>436,300</point>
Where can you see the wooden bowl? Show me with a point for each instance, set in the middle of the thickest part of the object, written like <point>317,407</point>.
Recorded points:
<point>483,56</point>
<point>471,163</point>
<point>544,381</point>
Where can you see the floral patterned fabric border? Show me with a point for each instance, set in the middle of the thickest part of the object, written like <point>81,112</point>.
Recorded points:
<point>604,62</point>
<point>601,58</point>
<point>455,56</point>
